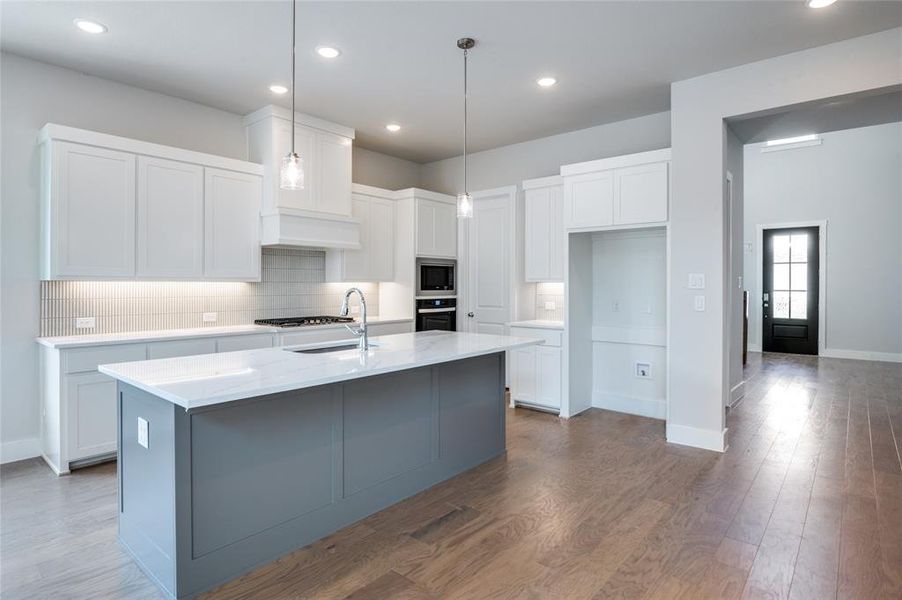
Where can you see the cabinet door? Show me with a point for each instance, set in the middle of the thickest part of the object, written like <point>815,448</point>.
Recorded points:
<point>91,413</point>
<point>174,348</point>
<point>589,200</point>
<point>641,194</point>
<point>356,263</point>
<point>537,255</point>
<point>523,374</point>
<point>305,146</point>
<point>234,343</point>
<point>332,192</point>
<point>548,376</point>
<point>425,210</point>
<point>231,225</point>
<point>93,221</point>
<point>170,219</point>
<point>445,230</point>
<point>381,240</point>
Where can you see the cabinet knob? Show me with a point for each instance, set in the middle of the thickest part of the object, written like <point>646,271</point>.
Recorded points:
<point>471,315</point>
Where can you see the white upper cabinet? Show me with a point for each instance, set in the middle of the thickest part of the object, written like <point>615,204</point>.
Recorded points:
<point>436,228</point>
<point>544,229</point>
<point>115,208</point>
<point>623,191</point>
<point>88,203</point>
<point>170,219</point>
<point>231,225</point>
<point>325,149</point>
<point>375,261</point>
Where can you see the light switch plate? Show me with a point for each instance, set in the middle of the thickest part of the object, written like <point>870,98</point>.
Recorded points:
<point>698,303</point>
<point>550,306</point>
<point>643,370</point>
<point>210,317</point>
<point>85,323</point>
<point>696,281</point>
<point>143,433</point>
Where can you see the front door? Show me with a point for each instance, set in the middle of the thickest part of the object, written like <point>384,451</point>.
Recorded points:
<point>789,303</point>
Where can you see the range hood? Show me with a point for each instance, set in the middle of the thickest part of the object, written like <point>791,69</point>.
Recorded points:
<point>319,215</point>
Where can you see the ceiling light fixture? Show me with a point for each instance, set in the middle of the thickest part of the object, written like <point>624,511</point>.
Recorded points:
<point>819,3</point>
<point>291,176</point>
<point>278,89</point>
<point>464,200</point>
<point>328,51</point>
<point>546,81</point>
<point>393,127</point>
<point>89,26</point>
<point>811,137</point>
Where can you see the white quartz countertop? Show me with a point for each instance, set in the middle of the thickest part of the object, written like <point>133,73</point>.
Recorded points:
<point>134,337</point>
<point>539,324</point>
<point>208,379</point>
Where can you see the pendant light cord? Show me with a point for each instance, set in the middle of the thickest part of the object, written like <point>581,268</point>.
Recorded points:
<point>466,190</point>
<point>293,36</point>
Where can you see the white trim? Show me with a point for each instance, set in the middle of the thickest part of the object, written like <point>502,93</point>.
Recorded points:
<point>892,357</point>
<point>697,438</point>
<point>728,292</point>
<point>20,450</point>
<point>375,192</point>
<point>300,118</point>
<point>542,182</point>
<point>52,132</point>
<point>754,347</point>
<point>737,392</point>
<point>413,193</point>
<point>644,407</point>
<point>792,146</point>
<point>616,162</point>
<point>821,276</point>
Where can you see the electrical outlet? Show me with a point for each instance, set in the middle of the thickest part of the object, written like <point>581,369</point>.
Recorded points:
<point>615,306</point>
<point>550,306</point>
<point>143,433</point>
<point>696,281</point>
<point>698,303</point>
<point>210,317</point>
<point>643,370</point>
<point>85,323</point>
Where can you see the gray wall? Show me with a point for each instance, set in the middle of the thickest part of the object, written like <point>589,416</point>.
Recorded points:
<point>853,180</point>
<point>34,93</point>
<point>699,375</point>
<point>509,165</point>
<point>384,171</point>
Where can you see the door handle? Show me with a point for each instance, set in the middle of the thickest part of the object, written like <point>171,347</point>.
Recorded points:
<point>471,315</point>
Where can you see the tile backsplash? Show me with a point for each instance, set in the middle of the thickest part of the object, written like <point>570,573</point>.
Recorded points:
<point>550,292</point>
<point>294,284</point>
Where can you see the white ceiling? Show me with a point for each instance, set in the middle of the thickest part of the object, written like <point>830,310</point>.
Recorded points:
<point>613,60</point>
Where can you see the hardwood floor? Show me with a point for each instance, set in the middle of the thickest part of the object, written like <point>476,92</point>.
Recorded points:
<point>807,503</point>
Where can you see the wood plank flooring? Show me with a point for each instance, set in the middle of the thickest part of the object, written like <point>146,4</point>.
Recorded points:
<point>807,503</point>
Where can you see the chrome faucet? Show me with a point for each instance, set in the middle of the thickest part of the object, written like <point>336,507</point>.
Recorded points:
<point>363,343</point>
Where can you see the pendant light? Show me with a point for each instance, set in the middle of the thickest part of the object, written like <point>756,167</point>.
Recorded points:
<point>291,177</point>
<point>464,200</point>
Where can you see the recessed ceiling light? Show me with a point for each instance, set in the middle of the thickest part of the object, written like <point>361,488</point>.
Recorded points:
<point>328,51</point>
<point>546,81</point>
<point>799,139</point>
<point>819,3</point>
<point>393,127</point>
<point>278,89</point>
<point>89,26</point>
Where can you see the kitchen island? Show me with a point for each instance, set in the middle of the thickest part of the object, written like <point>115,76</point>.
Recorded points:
<point>228,461</point>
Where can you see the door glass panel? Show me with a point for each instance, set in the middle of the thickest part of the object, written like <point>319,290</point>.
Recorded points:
<point>799,277</point>
<point>781,248</point>
<point>781,277</point>
<point>799,245</point>
<point>781,305</point>
<point>799,305</point>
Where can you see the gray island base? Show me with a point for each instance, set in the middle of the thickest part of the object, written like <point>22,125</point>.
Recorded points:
<point>225,488</point>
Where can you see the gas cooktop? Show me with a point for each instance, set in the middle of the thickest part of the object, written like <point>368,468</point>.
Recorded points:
<point>303,321</point>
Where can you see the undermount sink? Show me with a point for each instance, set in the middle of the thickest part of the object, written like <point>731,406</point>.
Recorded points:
<point>325,349</point>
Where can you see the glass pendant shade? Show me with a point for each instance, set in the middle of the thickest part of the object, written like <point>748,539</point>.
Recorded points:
<point>291,177</point>
<point>464,206</point>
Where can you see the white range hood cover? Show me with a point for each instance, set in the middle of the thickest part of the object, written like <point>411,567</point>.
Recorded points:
<point>309,229</point>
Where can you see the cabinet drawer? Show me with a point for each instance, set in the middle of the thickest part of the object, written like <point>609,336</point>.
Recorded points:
<point>234,343</point>
<point>80,360</point>
<point>551,337</point>
<point>181,348</point>
<point>309,337</point>
<point>390,328</point>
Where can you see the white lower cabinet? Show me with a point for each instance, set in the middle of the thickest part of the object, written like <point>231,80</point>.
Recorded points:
<point>91,415</point>
<point>536,370</point>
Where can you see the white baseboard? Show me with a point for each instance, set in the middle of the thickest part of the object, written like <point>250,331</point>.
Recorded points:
<point>656,409</point>
<point>697,438</point>
<point>754,347</point>
<point>737,392</point>
<point>20,450</point>
<point>893,357</point>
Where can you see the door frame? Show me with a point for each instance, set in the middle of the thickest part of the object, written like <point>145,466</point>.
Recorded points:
<point>821,277</point>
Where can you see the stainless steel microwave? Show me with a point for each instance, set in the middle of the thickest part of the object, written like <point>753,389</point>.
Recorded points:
<point>436,277</point>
